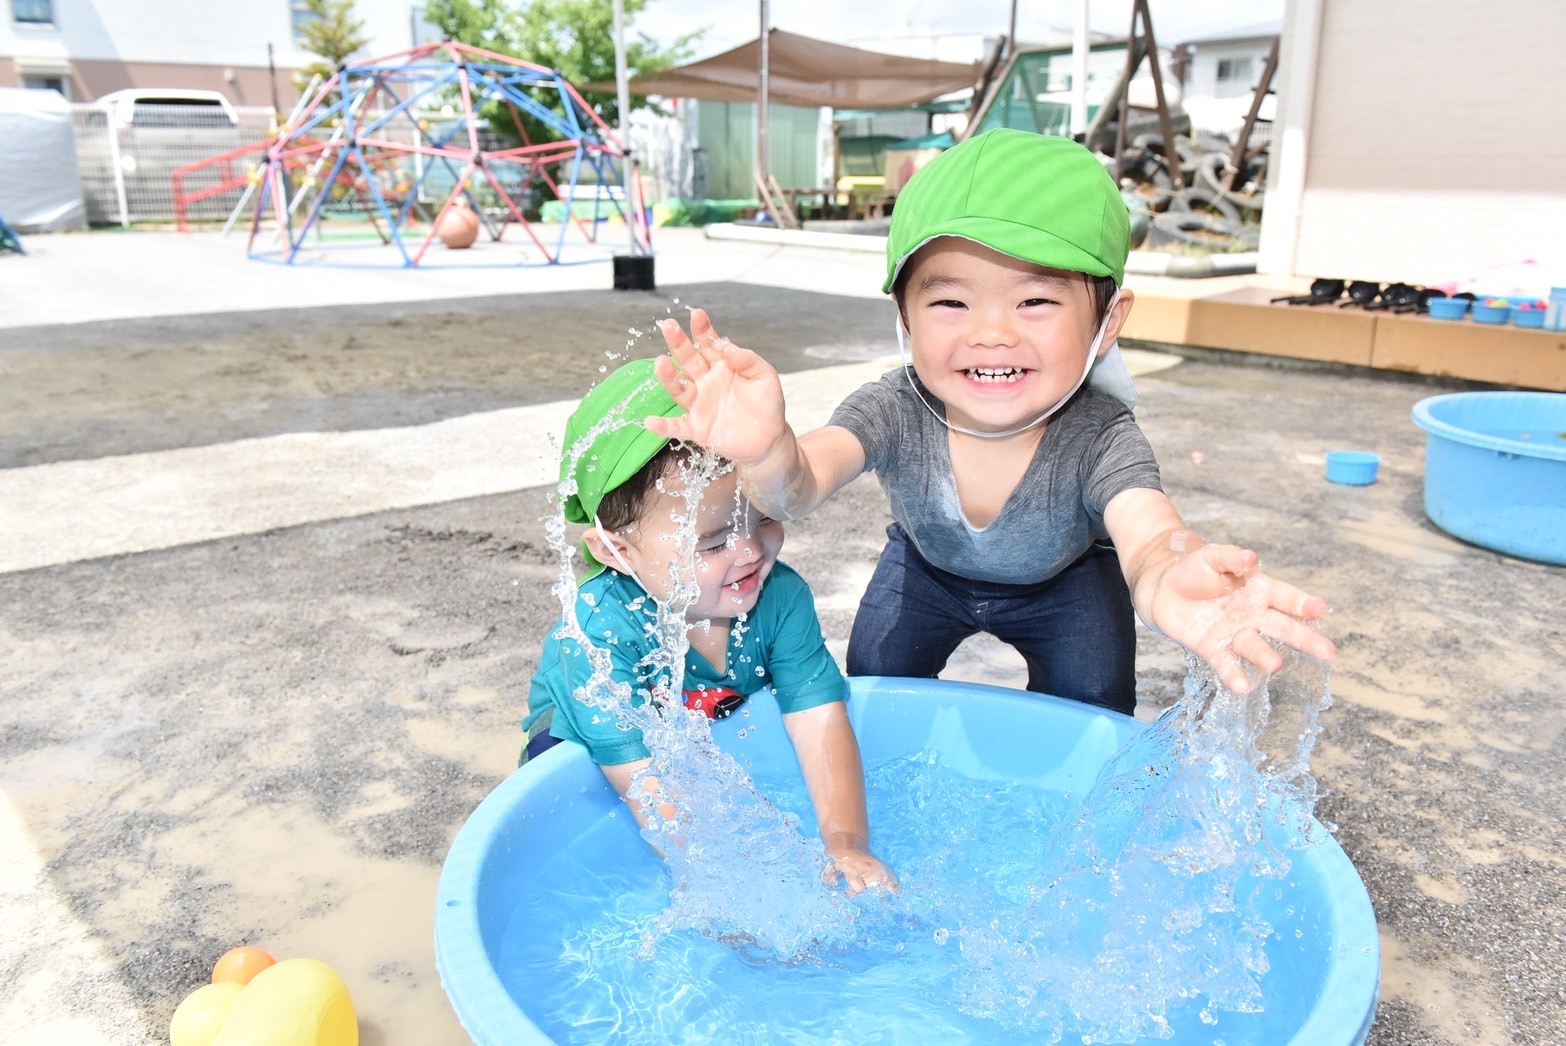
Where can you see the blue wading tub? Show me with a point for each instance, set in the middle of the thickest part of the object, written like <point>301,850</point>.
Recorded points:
<point>1495,470</point>
<point>1329,980</point>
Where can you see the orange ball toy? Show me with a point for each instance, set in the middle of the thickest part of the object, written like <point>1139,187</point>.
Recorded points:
<point>239,965</point>
<point>458,227</point>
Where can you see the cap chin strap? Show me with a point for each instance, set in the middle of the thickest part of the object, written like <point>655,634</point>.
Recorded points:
<point>1092,357</point>
<point>614,554</point>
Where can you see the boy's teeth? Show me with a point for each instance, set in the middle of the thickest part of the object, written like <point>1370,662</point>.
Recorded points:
<point>994,373</point>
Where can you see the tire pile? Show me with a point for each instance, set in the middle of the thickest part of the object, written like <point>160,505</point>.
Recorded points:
<point>1202,216</point>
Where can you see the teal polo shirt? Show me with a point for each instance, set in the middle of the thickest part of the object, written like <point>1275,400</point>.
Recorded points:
<point>780,646</point>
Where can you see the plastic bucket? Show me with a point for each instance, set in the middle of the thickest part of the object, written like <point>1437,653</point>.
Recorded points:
<point>634,272</point>
<point>560,803</point>
<point>1357,468</point>
<point>1495,470</point>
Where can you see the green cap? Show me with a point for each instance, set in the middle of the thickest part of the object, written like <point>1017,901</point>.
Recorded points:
<point>1038,197</point>
<point>620,403</point>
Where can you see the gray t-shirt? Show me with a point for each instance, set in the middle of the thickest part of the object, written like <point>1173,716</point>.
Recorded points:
<point>1092,450</point>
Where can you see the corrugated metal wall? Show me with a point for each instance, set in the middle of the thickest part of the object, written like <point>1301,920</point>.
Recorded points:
<point>726,135</point>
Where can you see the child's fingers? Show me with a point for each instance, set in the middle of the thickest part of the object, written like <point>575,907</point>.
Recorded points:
<point>1250,645</point>
<point>1229,559</point>
<point>668,428</point>
<point>674,381</point>
<point>683,349</point>
<point>1291,632</point>
<point>708,341</point>
<point>1295,602</point>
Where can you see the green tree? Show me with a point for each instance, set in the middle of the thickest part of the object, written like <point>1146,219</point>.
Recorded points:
<point>331,32</point>
<point>573,37</point>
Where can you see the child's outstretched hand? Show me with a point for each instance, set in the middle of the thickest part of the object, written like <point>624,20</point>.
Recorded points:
<point>732,397</point>
<point>1213,601</point>
<point>859,870</point>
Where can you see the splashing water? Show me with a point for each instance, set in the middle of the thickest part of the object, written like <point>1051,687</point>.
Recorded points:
<point>1149,893</point>
<point>1103,921</point>
<point>971,951</point>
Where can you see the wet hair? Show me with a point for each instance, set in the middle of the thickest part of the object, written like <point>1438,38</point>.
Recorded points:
<point>625,505</point>
<point>1100,288</point>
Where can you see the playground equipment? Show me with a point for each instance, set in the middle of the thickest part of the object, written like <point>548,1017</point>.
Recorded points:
<point>9,241</point>
<point>397,141</point>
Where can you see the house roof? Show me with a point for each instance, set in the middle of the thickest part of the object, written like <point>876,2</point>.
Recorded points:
<point>805,71</point>
<point>1255,31</point>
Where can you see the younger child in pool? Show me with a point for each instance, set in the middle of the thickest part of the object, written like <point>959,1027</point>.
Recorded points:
<point>630,491</point>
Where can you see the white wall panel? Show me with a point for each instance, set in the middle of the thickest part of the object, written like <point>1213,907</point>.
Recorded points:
<point>1437,144</point>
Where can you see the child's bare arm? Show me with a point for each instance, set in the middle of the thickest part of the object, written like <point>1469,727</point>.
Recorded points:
<point>828,754</point>
<point>734,406</point>
<point>622,774</point>
<point>1209,598</point>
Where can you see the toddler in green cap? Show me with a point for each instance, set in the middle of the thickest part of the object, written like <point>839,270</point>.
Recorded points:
<point>1026,501</point>
<point>751,620</point>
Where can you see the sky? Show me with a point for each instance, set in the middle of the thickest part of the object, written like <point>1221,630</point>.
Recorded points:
<point>911,25</point>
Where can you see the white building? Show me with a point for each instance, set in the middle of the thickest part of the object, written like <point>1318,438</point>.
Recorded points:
<point>1221,73</point>
<point>85,49</point>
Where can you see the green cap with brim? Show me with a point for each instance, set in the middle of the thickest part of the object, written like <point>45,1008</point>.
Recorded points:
<point>618,404</point>
<point>1041,198</point>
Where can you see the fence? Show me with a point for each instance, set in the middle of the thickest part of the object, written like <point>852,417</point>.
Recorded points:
<point>126,168</point>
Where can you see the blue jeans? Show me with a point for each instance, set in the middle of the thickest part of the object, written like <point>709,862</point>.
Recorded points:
<point>1076,631</point>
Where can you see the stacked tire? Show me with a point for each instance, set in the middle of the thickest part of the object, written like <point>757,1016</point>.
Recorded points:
<point>1203,215</point>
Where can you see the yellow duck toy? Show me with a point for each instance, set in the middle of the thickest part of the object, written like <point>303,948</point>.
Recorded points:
<point>254,1000</point>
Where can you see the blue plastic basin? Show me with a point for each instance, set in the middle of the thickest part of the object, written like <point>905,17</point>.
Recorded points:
<point>1495,470</point>
<point>1328,971</point>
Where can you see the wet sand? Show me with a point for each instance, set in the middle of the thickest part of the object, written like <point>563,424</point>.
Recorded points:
<point>271,737</point>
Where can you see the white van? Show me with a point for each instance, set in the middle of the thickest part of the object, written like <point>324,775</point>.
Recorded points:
<point>148,107</point>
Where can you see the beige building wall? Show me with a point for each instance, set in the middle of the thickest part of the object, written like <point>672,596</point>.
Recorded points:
<point>1434,144</point>
<point>89,78</point>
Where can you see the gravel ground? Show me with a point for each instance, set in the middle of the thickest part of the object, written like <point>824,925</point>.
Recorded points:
<point>273,737</point>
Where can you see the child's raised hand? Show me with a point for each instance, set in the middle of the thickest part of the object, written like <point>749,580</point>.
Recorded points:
<point>859,870</point>
<point>1213,601</point>
<point>732,397</point>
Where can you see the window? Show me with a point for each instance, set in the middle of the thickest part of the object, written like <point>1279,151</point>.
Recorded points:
<point>33,12</point>
<point>424,31</point>
<point>179,112</point>
<point>300,14</point>
<point>47,82</point>
<point>1234,69</point>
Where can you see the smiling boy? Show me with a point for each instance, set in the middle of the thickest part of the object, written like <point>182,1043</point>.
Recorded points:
<point>1026,501</point>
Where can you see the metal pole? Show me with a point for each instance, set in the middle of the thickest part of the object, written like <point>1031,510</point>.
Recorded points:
<point>271,77</point>
<point>763,144</point>
<point>623,98</point>
<point>1079,65</point>
<point>116,162</point>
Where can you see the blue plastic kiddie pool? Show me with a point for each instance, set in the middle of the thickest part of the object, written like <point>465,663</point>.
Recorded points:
<point>1495,470</point>
<point>1325,958</point>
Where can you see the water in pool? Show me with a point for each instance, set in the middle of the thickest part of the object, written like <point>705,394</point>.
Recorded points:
<point>1154,906</point>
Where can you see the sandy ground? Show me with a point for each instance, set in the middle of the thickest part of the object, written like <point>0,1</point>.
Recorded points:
<point>272,582</point>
